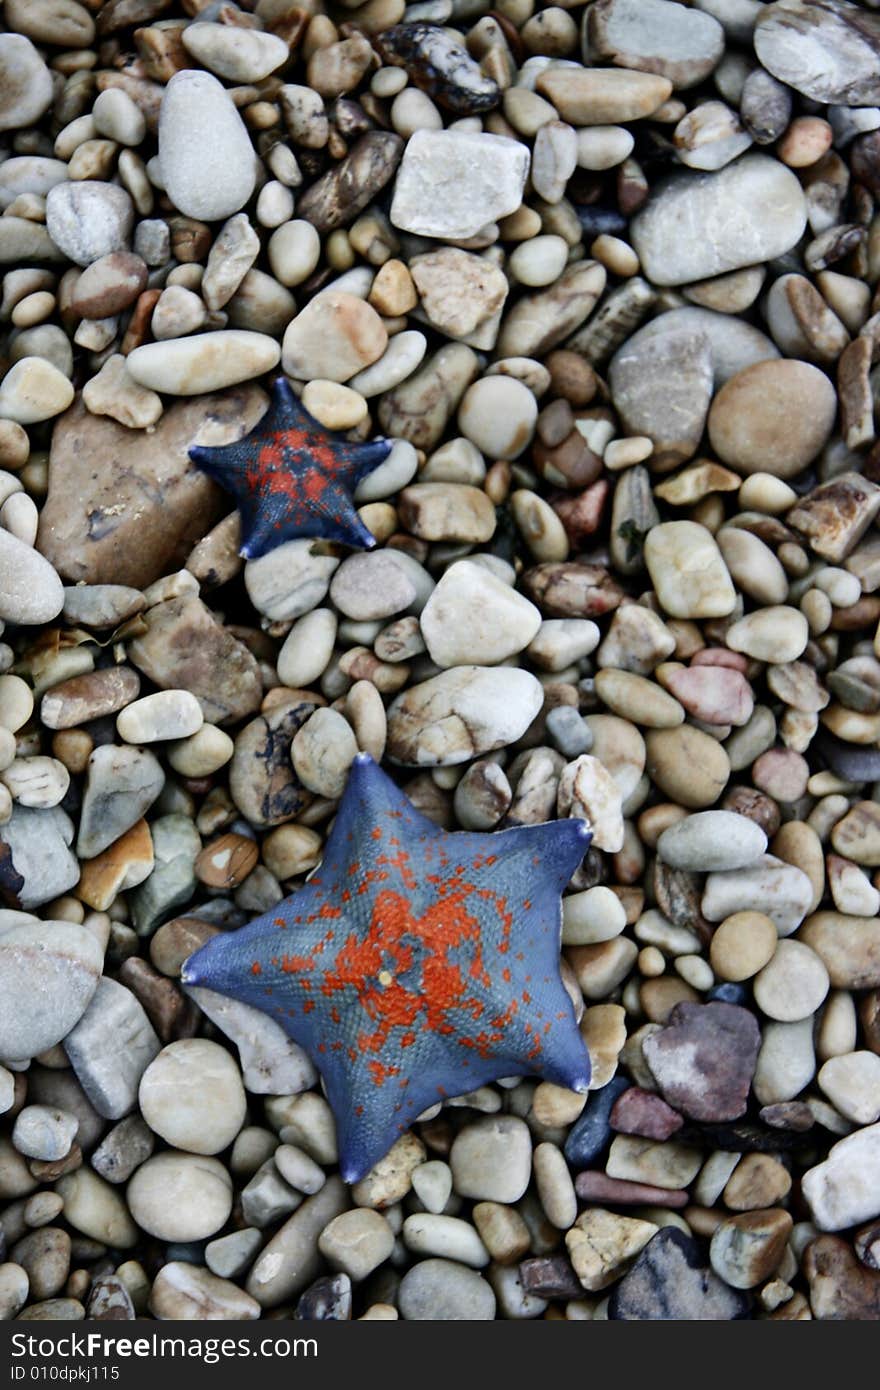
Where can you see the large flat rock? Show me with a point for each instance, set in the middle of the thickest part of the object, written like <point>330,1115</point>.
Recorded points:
<point>127,506</point>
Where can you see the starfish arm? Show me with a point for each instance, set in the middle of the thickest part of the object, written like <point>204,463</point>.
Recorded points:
<point>222,462</point>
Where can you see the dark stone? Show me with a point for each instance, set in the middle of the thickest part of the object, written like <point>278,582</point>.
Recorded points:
<point>704,1059</point>
<point>550,1276</point>
<point>440,66</point>
<point>262,781</point>
<point>728,993</point>
<point>742,1138</point>
<point>344,191</point>
<point>852,761</point>
<point>591,1132</point>
<point>599,221</point>
<point>327,1300</point>
<point>670,1282</point>
<point>788,1114</point>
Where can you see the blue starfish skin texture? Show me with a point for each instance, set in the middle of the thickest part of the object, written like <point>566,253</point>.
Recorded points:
<point>292,478</point>
<point>415,964</point>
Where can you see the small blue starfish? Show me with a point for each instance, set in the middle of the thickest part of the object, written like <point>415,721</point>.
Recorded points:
<point>292,478</point>
<point>415,965</point>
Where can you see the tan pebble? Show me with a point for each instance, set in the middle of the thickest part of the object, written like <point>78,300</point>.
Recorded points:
<point>334,406</point>
<point>837,1033</point>
<point>772,417</point>
<point>203,753</point>
<point>758,1180</point>
<point>761,492</point>
<point>742,945</point>
<point>291,850</point>
<point>125,864</point>
<point>600,969</point>
<point>643,701</point>
<point>393,291</point>
<point>687,765</point>
<point>857,834</point>
<point>556,1105</point>
<point>807,139</point>
<point>793,984</point>
<point>603,1029</point>
<point>651,962</point>
<point>539,526</point>
<point>660,996</point>
<point>773,634</point>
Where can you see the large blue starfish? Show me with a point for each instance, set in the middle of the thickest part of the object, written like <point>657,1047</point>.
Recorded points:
<point>416,964</point>
<point>292,478</point>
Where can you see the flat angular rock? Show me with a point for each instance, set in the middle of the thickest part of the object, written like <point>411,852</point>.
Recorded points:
<point>42,865</point>
<point>474,616</point>
<point>827,50</point>
<point>452,183</point>
<point>670,1282</point>
<point>121,785</point>
<point>125,507</point>
<point>680,43</point>
<point>110,1049</point>
<point>460,714</point>
<point>271,1062</point>
<point>176,845</point>
<point>845,1189</point>
<point>698,225</point>
<point>661,386</point>
<point>55,967</point>
<point>185,648</point>
<point>704,1059</point>
<point>835,515</point>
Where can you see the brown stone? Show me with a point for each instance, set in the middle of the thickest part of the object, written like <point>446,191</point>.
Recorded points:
<point>124,506</point>
<point>170,1012</point>
<point>127,862</point>
<point>835,516</point>
<point>570,590</point>
<point>227,861</point>
<point>641,1112</point>
<point>185,648</point>
<point>758,1180</point>
<point>841,1289</point>
<point>90,696</point>
<point>344,191</point>
<point>598,1187</point>
<point>109,285</point>
<point>175,942</point>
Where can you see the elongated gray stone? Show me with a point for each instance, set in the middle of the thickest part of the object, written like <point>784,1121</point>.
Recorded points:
<point>697,225</point>
<point>111,1047</point>
<point>121,784</point>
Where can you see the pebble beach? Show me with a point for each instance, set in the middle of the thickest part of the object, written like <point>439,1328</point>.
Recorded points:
<point>606,278</point>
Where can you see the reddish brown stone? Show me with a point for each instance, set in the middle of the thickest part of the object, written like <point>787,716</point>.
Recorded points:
<point>841,1289</point>
<point>642,1112</point>
<point>598,1187</point>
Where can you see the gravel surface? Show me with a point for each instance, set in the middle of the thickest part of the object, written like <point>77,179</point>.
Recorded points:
<point>605,277</point>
